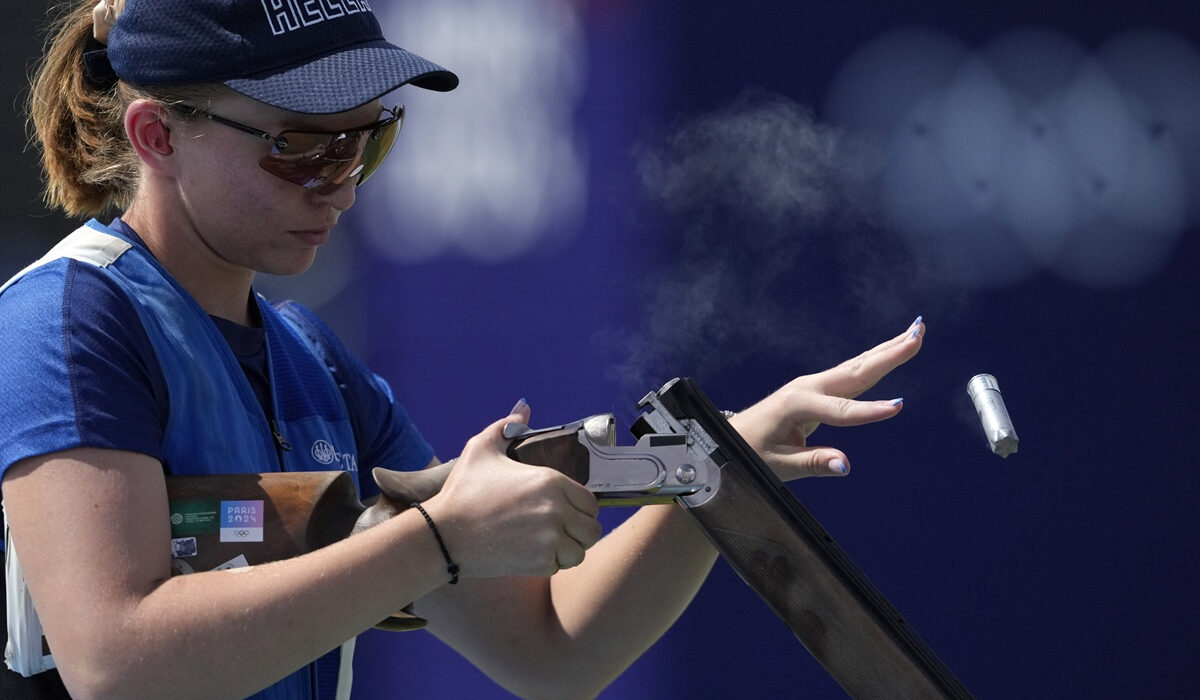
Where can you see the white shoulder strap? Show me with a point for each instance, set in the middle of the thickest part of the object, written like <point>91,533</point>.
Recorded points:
<point>346,670</point>
<point>23,652</point>
<point>85,244</point>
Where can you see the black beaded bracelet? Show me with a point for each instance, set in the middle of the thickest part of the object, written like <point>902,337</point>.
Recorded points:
<point>451,567</point>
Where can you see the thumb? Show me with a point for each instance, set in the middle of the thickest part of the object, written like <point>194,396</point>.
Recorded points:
<point>814,461</point>
<point>522,411</point>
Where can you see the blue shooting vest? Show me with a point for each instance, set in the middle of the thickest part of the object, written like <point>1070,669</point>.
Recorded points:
<point>215,423</point>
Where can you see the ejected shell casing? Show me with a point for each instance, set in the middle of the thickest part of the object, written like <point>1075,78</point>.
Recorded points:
<point>997,426</point>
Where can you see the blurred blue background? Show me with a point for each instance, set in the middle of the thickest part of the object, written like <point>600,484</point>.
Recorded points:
<point>621,192</point>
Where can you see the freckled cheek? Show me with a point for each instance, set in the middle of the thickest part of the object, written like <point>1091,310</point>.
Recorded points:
<point>278,204</point>
<point>228,183</point>
<point>219,180</point>
<point>260,197</point>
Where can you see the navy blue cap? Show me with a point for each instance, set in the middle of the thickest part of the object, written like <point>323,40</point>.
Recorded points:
<point>314,56</point>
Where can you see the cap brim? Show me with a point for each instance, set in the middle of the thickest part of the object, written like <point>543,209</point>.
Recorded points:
<point>345,80</point>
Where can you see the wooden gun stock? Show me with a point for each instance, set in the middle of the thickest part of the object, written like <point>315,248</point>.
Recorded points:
<point>301,512</point>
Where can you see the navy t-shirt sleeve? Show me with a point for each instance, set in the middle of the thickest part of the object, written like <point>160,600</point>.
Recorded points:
<point>76,367</point>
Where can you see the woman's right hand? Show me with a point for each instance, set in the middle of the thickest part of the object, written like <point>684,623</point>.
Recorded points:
<point>500,517</point>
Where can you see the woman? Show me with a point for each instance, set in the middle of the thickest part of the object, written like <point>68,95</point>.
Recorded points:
<point>232,134</point>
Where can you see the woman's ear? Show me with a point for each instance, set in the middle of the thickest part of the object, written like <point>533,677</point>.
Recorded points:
<point>146,127</point>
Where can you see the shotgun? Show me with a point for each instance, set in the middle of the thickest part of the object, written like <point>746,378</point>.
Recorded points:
<point>686,452</point>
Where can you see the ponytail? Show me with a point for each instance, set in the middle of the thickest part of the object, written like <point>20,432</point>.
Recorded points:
<point>78,124</point>
<point>78,121</point>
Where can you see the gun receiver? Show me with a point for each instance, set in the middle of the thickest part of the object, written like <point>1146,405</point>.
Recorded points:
<point>658,469</point>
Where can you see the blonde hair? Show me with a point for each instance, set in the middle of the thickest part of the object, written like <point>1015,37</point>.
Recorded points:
<point>78,125</point>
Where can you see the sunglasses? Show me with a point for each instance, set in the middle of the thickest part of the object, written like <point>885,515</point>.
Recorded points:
<point>322,160</point>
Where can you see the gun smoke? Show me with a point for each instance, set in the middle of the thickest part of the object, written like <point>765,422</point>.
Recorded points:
<point>768,239</point>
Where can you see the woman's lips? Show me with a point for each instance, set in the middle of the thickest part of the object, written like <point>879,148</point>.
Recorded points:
<point>315,237</point>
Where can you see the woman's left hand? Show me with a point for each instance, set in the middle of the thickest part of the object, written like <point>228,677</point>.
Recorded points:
<point>778,426</point>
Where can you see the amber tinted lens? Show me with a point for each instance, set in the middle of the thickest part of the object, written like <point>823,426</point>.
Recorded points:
<point>378,146</point>
<point>323,161</point>
<point>314,160</point>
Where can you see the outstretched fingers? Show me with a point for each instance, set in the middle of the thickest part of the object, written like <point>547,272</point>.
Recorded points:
<point>778,427</point>
<point>843,412</point>
<point>854,376</point>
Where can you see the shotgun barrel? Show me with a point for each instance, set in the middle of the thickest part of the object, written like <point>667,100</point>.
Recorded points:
<point>782,552</point>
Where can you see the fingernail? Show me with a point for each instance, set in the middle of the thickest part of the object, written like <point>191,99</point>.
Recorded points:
<point>897,402</point>
<point>837,466</point>
<point>916,326</point>
<point>519,407</point>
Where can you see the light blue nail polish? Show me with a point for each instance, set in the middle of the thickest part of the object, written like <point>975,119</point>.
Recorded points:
<point>519,406</point>
<point>897,402</point>
<point>916,326</point>
<point>837,466</point>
